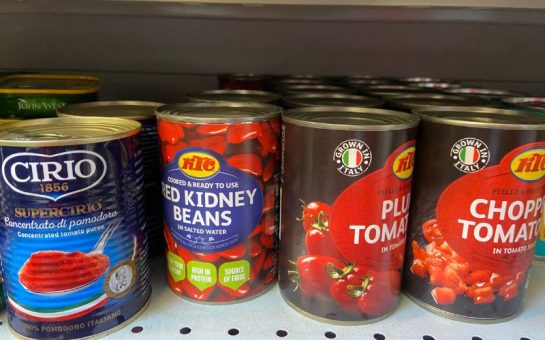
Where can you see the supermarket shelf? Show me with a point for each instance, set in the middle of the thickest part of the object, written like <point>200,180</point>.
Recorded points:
<point>527,12</point>
<point>262,317</point>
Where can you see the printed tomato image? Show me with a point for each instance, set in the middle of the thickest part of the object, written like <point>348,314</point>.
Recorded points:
<point>345,206</point>
<point>56,271</point>
<point>220,193</point>
<point>473,229</point>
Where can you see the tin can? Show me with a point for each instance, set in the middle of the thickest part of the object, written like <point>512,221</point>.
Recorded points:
<point>245,96</point>
<point>346,183</point>
<point>411,102</point>
<point>144,113</point>
<point>420,79</point>
<point>478,199</point>
<point>295,89</point>
<point>385,91</point>
<point>436,85</point>
<point>330,99</point>
<point>492,95</point>
<point>41,95</point>
<point>74,250</point>
<point>220,192</point>
<point>242,81</point>
<point>531,104</point>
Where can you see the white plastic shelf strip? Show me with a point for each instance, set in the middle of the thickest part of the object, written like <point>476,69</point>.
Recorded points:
<point>269,317</point>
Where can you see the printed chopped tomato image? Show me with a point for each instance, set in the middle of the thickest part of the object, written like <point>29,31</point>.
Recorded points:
<point>52,271</point>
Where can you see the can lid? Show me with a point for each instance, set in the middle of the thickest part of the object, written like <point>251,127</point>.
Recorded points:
<point>480,92</point>
<point>414,101</point>
<point>66,131</point>
<point>214,96</point>
<point>419,79</point>
<point>350,118</point>
<point>330,99</point>
<point>242,76</point>
<point>526,103</point>
<point>483,117</point>
<point>225,112</point>
<point>392,90</point>
<point>28,83</point>
<point>129,109</point>
<point>436,85</point>
<point>312,88</point>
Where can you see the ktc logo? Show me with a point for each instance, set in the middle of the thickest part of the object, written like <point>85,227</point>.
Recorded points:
<point>198,165</point>
<point>404,163</point>
<point>529,165</point>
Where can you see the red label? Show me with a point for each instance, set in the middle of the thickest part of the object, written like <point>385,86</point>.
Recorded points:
<point>368,220</point>
<point>491,217</point>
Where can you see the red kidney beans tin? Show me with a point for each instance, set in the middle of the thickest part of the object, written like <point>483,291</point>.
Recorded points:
<point>74,249</point>
<point>144,113</point>
<point>220,191</point>
<point>346,188</point>
<point>478,198</point>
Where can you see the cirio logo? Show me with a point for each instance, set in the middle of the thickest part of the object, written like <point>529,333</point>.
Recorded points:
<point>529,165</point>
<point>53,176</point>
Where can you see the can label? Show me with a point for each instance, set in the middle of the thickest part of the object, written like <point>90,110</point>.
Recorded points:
<point>39,105</point>
<point>473,229</point>
<point>540,245</point>
<point>74,255</point>
<point>342,248</point>
<point>220,198</point>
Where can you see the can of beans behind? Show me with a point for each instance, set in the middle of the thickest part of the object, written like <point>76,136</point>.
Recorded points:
<point>144,113</point>
<point>346,183</point>
<point>74,249</point>
<point>245,96</point>
<point>220,194</point>
<point>478,197</point>
<point>330,99</point>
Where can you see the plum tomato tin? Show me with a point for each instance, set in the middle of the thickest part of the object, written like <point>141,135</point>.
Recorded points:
<point>144,113</point>
<point>220,197</point>
<point>346,183</point>
<point>478,201</point>
<point>74,249</point>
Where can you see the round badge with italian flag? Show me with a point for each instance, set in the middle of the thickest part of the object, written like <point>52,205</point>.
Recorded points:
<point>470,154</point>
<point>352,157</point>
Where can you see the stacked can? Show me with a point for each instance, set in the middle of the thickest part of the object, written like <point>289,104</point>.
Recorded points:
<point>411,102</point>
<point>74,248</point>
<point>330,99</point>
<point>478,199</point>
<point>220,96</point>
<point>346,183</point>
<point>221,190</point>
<point>144,113</point>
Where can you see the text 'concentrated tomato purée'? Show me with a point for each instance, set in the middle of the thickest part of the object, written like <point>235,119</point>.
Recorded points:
<point>477,210</point>
<point>220,193</point>
<point>346,195</point>
<point>74,248</point>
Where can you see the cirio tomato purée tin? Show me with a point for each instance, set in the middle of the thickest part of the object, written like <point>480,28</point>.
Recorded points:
<point>144,113</point>
<point>346,188</point>
<point>74,250</point>
<point>478,198</point>
<point>220,188</point>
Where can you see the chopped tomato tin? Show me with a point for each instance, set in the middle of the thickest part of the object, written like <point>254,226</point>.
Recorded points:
<point>478,202</point>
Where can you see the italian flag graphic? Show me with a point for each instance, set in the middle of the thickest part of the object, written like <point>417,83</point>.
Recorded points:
<point>469,155</point>
<point>352,158</point>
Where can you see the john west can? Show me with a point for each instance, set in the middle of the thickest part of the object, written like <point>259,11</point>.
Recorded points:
<point>144,113</point>
<point>346,189</point>
<point>220,196</point>
<point>478,199</point>
<point>74,251</point>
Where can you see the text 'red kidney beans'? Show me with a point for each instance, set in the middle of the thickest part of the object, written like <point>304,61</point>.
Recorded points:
<point>220,192</point>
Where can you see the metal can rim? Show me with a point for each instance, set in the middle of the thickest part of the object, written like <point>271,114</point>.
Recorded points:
<point>292,99</point>
<point>194,112</point>
<point>91,89</point>
<point>401,100</point>
<point>105,129</point>
<point>524,103</point>
<point>397,120</point>
<point>441,115</point>
<point>204,96</point>
<point>71,109</point>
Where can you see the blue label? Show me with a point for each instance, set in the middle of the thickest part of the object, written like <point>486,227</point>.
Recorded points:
<point>209,205</point>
